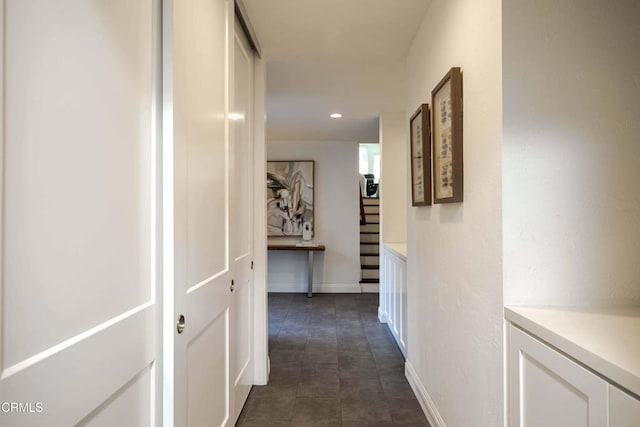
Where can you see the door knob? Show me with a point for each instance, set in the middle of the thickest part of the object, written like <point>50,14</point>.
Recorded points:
<point>232,285</point>
<point>180,324</point>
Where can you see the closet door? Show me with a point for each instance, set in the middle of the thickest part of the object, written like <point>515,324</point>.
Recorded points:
<point>79,209</point>
<point>199,178</point>
<point>242,220</point>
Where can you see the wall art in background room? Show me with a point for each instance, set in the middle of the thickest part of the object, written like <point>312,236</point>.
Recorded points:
<point>446,101</point>
<point>420,157</point>
<point>289,197</point>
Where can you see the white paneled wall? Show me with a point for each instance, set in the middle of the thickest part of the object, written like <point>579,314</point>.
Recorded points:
<point>393,292</point>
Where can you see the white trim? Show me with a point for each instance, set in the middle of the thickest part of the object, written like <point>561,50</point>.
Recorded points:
<point>329,288</point>
<point>382,315</point>
<point>429,408</point>
<point>260,315</point>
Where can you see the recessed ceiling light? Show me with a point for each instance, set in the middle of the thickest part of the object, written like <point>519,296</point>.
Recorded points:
<point>335,115</point>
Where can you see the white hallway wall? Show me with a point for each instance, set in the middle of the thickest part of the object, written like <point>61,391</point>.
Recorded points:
<point>571,152</point>
<point>336,219</point>
<point>454,251</point>
<point>393,178</point>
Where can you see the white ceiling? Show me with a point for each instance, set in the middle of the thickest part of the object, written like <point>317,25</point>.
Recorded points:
<point>326,56</point>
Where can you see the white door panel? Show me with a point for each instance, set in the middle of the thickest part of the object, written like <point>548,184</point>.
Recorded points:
<point>197,142</point>
<point>79,228</point>
<point>242,221</point>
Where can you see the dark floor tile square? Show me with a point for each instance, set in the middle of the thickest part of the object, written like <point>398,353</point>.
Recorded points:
<point>322,331</point>
<point>318,386</point>
<point>277,356</point>
<point>285,371</point>
<point>407,412</point>
<point>312,409</point>
<point>365,407</point>
<point>290,342</point>
<point>395,386</point>
<point>353,344</point>
<point>319,369</point>
<point>358,385</point>
<point>278,390</point>
<point>269,408</point>
<point>327,356</point>
<point>243,422</point>
<point>366,423</point>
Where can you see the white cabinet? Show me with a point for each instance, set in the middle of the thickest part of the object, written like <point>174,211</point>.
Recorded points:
<point>548,389</point>
<point>393,292</point>
<point>624,410</point>
<point>573,367</point>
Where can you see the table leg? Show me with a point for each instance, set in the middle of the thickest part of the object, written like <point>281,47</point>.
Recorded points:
<point>310,279</point>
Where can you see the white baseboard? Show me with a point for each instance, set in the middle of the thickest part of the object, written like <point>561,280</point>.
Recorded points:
<point>382,316</point>
<point>323,288</point>
<point>370,288</point>
<point>429,408</point>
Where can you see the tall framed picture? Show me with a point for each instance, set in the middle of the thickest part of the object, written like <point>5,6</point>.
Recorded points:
<point>289,197</point>
<point>420,157</point>
<point>446,101</point>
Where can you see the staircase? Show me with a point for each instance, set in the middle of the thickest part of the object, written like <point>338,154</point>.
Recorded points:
<point>370,241</point>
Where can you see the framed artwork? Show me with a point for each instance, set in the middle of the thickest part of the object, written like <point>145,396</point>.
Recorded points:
<point>289,197</point>
<point>420,157</point>
<point>446,101</point>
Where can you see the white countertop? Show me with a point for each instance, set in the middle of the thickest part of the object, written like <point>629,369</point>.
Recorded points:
<point>605,340</point>
<point>399,248</point>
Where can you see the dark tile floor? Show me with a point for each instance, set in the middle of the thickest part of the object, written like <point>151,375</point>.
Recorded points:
<point>332,364</point>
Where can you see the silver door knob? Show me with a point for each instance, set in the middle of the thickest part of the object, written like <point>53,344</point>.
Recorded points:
<point>180,324</point>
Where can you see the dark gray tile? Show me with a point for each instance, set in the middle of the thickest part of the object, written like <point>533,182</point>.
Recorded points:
<point>358,385</point>
<point>319,369</point>
<point>290,342</point>
<point>312,409</point>
<point>318,386</point>
<point>332,363</point>
<point>407,412</point>
<point>366,423</point>
<point>365,407</point>
<point>322,331</point>
<point>353,344</point>
<point>243,422</point>
<point>275,389</point>
<point>327,356</point>
<point>268,408</point>
<point>396,386</point>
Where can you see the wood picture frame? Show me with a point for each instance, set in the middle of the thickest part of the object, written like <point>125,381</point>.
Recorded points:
<point>420,142</point>
<point>290,197</point>
<point>446,101</point>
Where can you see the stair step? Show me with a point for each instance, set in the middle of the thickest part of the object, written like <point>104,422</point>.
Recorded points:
<point>369,253</point>
<point>370,267</point>
<point>370,239</point>
<point>370,281</point>
<point>375,228</point>
<point>369,232</point>
<point>370,274</point>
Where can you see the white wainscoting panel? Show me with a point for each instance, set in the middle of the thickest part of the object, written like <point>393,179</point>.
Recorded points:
<point>393,292</point>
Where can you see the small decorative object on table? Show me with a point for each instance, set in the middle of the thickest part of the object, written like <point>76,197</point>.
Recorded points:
<point>420,157</point>
<point>446,100</point>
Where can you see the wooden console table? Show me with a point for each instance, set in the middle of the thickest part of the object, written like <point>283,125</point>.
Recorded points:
<point>310,249</point>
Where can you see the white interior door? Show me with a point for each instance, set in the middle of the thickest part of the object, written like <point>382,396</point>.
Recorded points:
<point>197,210</point>
<point>78,233</point>
<point>242,221</point>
